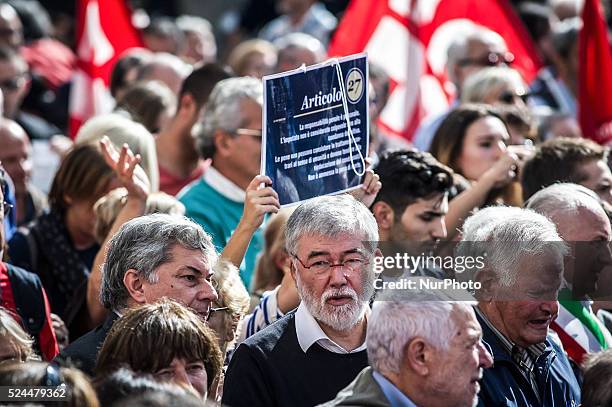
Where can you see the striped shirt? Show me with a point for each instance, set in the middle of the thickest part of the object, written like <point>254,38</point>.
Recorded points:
<point>263,315</point>
<point>524,358</point>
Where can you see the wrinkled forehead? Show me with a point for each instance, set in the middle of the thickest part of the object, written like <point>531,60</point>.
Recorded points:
<point>342,242</point>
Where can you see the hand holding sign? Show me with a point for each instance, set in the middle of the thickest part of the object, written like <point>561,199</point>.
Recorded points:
<point>259,201</point>
<point>369,188</point>
<point>316,130</point>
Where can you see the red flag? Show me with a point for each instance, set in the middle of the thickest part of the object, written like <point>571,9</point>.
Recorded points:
<point>104,31</point>
<point>594,79</point>
<point>409,38</point>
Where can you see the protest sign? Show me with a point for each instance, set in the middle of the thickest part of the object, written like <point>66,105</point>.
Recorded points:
<point>316,129</point>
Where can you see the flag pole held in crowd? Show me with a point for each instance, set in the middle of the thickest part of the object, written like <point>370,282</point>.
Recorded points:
<point>316,128</point>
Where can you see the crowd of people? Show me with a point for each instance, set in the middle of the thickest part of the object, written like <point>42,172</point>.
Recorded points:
<point>158,267</point>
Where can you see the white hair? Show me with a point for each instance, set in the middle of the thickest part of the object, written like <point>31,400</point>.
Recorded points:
<point>223,110</point>
<point>504,235</point>
<point>479,85</point>
<point>331,216</point>
<point>564,199</point>
<point>458,48</point>
<point>302,41</point>
<point>120,130</point>
<point>393,323</point>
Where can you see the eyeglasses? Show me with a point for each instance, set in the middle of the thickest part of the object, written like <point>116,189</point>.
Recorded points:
<point>255,133</point>
<point>11,85</point>
<point>490,59</point>
<point>351,263</point>
<point>213,310</point>
<point>509,97</point>
<point>6,207</point>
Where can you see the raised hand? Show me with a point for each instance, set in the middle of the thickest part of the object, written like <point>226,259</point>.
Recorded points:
<point>125,164</point>
<point>370,186</point>
<point>259,200</point>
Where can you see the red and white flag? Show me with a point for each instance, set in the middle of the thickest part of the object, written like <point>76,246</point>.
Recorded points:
<point>409,39</point>
<point>104,31</point>
<point>594,79</point>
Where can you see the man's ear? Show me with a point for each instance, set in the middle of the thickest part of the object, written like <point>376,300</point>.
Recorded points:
<point>384,215</point>
<point>418,356</point>
<point>223,142</point>
<point>488,281</point>
<point>133,283</point>
<point>187,106</point>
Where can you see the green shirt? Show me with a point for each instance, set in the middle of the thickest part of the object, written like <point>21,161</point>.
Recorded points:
<point>219,216</point>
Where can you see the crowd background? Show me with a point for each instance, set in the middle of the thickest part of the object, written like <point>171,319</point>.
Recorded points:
<point>140,246</point>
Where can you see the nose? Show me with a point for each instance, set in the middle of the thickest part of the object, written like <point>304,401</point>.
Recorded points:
<point>485,359</point>
<point>207,292</point>
<point>439,228</point>
<point>181,376</point>
<point>551,307</point>
<point>337,276</point>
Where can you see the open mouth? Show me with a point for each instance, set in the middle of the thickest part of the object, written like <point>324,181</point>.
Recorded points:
<point>540,324</point>
<point>338,300</point>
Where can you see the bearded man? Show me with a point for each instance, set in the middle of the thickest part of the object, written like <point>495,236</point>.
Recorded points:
<point>309,355</point>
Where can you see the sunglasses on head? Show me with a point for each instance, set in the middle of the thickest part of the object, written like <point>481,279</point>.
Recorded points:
<point>490,59</point>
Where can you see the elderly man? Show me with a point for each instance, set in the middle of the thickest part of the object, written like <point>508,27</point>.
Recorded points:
<point>306,357</point>
<point>15,156</point>
<point>520,279</point>
<point>151,257</point>
<point>230,134</point>
<point>424,351</point>
<point>582,222</point>
<point>467,53</point>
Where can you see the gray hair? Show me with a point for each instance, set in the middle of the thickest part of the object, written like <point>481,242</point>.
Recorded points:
<point>458,48</point>
<point>301,41</point>
<point>479,85</point>
<point>504,235</point>
<point>331,216</point>
<point>564,199</point>
<point>394,323</point>
<point>144,244</point>
<point>223,110</point>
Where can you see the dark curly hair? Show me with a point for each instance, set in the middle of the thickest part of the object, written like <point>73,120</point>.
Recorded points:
<point>408,175</point>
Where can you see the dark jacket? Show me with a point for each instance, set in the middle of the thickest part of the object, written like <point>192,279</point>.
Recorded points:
<point>83,352</point>
<point>364,391</point>
<point>503,385</point>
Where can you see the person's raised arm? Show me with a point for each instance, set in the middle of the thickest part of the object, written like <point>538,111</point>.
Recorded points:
<point>260,199</point>
<point>135,180</point>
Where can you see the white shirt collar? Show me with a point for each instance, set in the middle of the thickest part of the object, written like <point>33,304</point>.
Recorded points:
<point>224,186</point>
<point>309,332</point>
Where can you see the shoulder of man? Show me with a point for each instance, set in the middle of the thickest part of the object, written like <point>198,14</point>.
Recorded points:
<point>364,391</point>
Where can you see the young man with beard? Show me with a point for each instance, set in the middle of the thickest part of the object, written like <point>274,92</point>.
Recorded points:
<point>305,358</point>
<point>411,207</point>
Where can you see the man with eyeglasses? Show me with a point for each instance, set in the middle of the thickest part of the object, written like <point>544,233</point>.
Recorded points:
<point>306,357</point>
<point>229,134</point>
<point>467,53</point>
<point>15,84</point>
<point>23,295</point>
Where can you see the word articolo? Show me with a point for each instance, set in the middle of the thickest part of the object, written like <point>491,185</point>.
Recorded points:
<point>321,99</point>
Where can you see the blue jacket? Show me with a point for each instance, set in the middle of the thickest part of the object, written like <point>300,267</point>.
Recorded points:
<point>503,385</point>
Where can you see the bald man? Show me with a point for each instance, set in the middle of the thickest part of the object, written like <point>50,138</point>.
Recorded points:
<point>15,156</point>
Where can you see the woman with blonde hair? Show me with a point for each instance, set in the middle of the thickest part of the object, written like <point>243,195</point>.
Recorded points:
<point>15,343</point>
<point>120,130</point>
